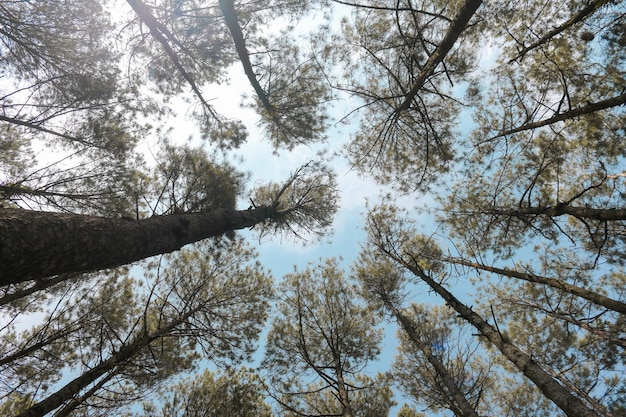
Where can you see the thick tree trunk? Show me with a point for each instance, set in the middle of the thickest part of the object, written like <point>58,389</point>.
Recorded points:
<point>344,397</point>
<point>563,398</point>
<point>35,244</point>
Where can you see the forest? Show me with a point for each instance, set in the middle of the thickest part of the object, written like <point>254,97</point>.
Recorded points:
<point>440,184</point>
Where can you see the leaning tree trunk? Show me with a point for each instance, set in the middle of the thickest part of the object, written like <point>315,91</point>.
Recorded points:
<point>552,389</point>
<point>35,244</point>
<point>118,359</point>
<point>592,296</point>
<point>456,397</point>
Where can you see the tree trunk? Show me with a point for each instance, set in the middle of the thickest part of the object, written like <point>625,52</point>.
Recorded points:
<point>73,388</point>
<point>454,31</point>
<point>462,406</point>
<point>594,297</point>
<point>36,244</point>
<point>344,397</point>
<point>27,350</point>
<point>230,18</point>
<point>570,114</point>
<point>564,399</point>
<point>591,8</point>
<point>607,215</point>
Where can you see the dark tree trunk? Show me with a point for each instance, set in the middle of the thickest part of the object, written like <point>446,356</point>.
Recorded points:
<point>590,9</point>
<point>605,215</point>
<point>455,30</point>
<point>571,405</point>
<point>458,403</point>
<point>230,18</point>
<point>570,114</point>
<point>35,244</point>
<point>594,297</point>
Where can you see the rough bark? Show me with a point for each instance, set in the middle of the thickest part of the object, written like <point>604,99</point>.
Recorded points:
<point>35,244</point>
<point>594,297</point>
<point>343,391</point>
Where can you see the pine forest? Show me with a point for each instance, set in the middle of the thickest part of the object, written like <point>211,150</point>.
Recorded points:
<point>283,208</point>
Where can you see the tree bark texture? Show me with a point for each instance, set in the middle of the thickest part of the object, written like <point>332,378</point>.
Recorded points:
<point>35,244</point>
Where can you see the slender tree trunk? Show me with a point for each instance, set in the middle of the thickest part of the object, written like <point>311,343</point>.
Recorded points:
<point>40,284</point>
<point>76,402</point>
<point>609,214</point>
<point>462,406</point>
<point>37,346</point>
<point>230,18</point>
<point>552,389</point>
<point>344,397</point>
<point>164,37</point>
<point>73,388</point>
<point>591,8</point>
<point>457,26</point>
<point>36,244</point>
<point>570,114</point>
<point>594,297</point>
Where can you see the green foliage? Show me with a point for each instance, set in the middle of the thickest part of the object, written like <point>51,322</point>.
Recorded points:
<point>297,91</point>
<point>236,393</point>
<point>210,303</point>
<point>319,342</point>
<point>523,153</point>
<point>405,141</point>
<point>187,180</point>
<point>225,293</point>
<point>541,136</point>
<point>305,203</point>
